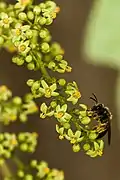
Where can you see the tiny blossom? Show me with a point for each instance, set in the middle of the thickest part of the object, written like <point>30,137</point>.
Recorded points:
<point>5,20</point>
<point>19,32</point>
<point>23,47</point>
<point>48,91</point>
<point>97,150</point>
<point>74,93</point>
<point>43,169</point>
<point>61,114</point>
<point>5,93</point>
<point>45,111</point>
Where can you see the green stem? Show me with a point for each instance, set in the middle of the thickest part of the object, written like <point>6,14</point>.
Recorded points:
<point>42,67</point>
<point>6,171</point>
<point>18,162</point>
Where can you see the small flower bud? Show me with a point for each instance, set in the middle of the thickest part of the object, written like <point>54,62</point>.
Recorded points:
<point>42,21</point>
<point>30,15</point>
<point>31,66</point>
<point>28,58</point>
<point>86,147</point>
<point>22,16</point>
<point>33,163</point>
<point>62,82</point>
<point>37,10</point>
<point>17,100</point>
<point>30,82</point>
<point>76,148</point>
<point>45,47</point>
<point>92,135</point>
<point>20,174</point>
<point>43,33</point>
<point>24,147</point>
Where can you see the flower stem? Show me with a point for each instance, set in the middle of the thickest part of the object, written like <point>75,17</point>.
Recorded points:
<point>5,170</point>
<point>18,162</point>
<point>42,67</point>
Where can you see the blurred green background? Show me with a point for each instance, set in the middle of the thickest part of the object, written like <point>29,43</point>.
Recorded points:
<point>70,29</point>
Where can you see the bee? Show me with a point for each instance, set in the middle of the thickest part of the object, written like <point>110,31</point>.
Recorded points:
<point>103,116</point>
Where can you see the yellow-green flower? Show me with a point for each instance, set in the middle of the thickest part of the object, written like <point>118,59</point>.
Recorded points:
<point>5,93</point>
<point>19,32</point>
<point>43,169</point>
<point>74,93</point>
<point>5,20</point>
<point>61,114</point>
<point>48,91</point>
<point>45,111</point>
<point>23,47</point>
<point>97,150</point>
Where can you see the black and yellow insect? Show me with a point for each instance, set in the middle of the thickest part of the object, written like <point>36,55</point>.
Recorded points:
<point>103,116</point>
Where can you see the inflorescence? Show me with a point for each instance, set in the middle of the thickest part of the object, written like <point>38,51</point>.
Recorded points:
<point>24,32</point>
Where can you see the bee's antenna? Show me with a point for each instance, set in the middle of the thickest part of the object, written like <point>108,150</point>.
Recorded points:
<point>94,98</point>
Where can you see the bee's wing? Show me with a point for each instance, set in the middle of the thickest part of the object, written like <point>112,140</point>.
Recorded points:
<point>109,133</point>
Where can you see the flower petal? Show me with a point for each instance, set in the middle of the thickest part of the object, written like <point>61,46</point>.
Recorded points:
<point>53,87</point>
<point>64,108</point>
<point>44,84</point>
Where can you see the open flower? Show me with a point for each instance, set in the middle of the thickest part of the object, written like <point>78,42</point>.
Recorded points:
<point>19,32</point>
<point>43,169</point>
<point>97,150</point>
<point>48,91</point>
<point>23,47</point>
<point>5,20</point>
<point>74,137</point>
<point>74,93</point>
<point>45,111</point>
<point>61,114</point>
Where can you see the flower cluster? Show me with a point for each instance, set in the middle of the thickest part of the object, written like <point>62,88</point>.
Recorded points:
<point>42,171</point>
<point>26,142</point>
<point>13,108</point>
<point>24,31</point>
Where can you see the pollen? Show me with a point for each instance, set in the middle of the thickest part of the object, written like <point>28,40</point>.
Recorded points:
<point>60,115</point>
<point>100,153</point>
<point>6,21</point>
<point>57,9</point>
<point>14,141</point>
<point>22,48</point>
<point>18,32</point>
<point>54,15</point>
<point>77,95</point>
<point>46,170</point>
<point>48,92</point>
